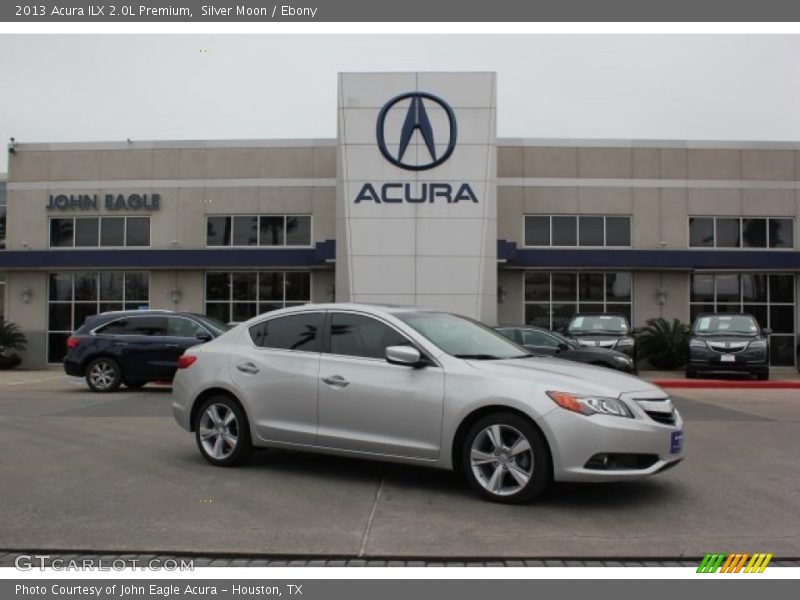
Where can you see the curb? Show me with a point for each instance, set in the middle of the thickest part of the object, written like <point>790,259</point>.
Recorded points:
<point>721,384</point>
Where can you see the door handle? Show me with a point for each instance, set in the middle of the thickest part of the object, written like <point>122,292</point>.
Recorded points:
<point>336,381</point>
<point>248,368</point>
<point>173,345</point>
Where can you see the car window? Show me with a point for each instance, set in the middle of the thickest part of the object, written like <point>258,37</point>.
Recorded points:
<point>292,332</point>
<point>182,327</point>
<point>538,338</point>
<point>358,335</point>
<point>512,334</point>
<point>148,325</point>
<point>118,327</point>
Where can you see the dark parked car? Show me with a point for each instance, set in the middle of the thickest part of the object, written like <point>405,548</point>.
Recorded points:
<point>135,347</point>
<point>610,331</point>
<point>550,343</point>
<point>728,343</point>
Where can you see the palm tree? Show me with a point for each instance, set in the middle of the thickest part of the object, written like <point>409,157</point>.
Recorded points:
<point>665,344</point>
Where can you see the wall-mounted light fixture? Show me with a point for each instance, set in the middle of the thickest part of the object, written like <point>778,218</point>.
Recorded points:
<point>26,295</point>
<point>661,295</point>
<point>501,294</point>
<point>176,294</point>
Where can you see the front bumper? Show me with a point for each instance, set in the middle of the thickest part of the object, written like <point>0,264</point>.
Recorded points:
<point>743,362</point>
<point>575,439</point>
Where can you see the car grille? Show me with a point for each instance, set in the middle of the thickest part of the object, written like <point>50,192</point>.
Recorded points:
<point>660,417</point>
<point>727,347</point>
<point>661,411</point>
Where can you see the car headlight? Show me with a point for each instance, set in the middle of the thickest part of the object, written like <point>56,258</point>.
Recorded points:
<point>623,359</point>
<point>758,345</point>
<point>590,405</point>
<point>697,344</point>
<point>625,342</point>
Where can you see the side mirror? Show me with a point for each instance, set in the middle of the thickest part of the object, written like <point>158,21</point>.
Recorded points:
<point>403,355</point>
<point>766,331</point>
<point>562,346</point>
<point>204,336</point>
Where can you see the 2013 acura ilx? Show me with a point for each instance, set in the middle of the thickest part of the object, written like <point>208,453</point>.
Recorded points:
<point>422,387</point>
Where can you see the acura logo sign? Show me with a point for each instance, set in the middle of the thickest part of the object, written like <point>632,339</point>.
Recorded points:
<point>417,120</point>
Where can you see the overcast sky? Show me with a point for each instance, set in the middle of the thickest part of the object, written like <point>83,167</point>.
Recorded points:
<point>85,88</point>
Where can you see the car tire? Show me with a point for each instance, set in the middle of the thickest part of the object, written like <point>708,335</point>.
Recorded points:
<point>691,374</point>
<point>513,469</point>
<point>135,385</point>
<point>222,432</point>
<point>763,375</point>
<point>103,375</point>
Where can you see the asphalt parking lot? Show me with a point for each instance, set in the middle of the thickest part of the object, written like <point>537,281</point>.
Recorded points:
<point>91,472</point>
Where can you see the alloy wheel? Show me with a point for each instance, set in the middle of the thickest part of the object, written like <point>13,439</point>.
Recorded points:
<point>501,458</point>
<point>219,431</point>
<point>102,375</point>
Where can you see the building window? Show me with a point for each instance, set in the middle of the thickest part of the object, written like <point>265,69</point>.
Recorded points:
<point>74,296</point>
<point>94,232</point>
<point>768,297</point>
<point>741,232</point>
<point>591,231</point>
<point>264,230</point>
<point>551,299</point>
<point>237,296</point>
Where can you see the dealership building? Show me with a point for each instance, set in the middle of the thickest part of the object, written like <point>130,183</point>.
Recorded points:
<point>418,202</point>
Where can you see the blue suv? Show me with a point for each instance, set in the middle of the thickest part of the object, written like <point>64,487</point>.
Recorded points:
<point>135,347</point>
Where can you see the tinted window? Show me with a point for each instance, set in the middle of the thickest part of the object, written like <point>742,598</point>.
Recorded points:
<point>218,231</point>
<point>118,327</point>
<point>181,327</point>
<point>138,231</point>
<point>781,233</point>
<point>727,233</point>
<point>272,231</point>
<point>357,335</point>
<point>591,231</point>
<point>618,231</point>
<point>61,232</point>
<point>293,332</point>
<point>537,231</point>
<point>701,232</point>
<point>86,233</point>
<point>112,231</point>
<point>245,231</point>
<point>564,231</point>
<point>538,338</point>
<point>148,325</point>
<point>754,233</point>
<point>298,231</point>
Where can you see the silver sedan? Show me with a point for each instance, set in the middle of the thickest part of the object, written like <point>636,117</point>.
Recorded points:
<point>423,387</point>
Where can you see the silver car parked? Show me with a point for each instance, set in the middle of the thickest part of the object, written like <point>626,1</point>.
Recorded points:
<point>423,387</point>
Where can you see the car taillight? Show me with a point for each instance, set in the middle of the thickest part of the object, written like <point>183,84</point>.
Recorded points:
<point>186,360</point>
<point>72,342</point>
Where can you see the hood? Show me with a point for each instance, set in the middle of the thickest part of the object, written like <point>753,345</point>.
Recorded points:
<point>567,376</point>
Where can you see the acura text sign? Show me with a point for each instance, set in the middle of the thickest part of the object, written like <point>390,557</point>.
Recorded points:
<point>67,202</point>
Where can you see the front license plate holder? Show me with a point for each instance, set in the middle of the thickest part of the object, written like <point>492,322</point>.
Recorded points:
<point>675,442</point>
<point>728,358</point>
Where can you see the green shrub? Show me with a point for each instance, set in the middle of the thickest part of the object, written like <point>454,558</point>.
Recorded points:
<point>665,344</point>
<point>11,336</point>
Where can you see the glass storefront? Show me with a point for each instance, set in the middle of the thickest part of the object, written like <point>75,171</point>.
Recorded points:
<point>770,298</point>
<point>233,297</point>
<point>552,298</point>
<point>74,296</point>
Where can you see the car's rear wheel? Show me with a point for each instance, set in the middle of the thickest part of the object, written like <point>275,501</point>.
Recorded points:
<point>103,375</point>
<point>506,459</point>
<point>135,385</point>
<point>222,433</point>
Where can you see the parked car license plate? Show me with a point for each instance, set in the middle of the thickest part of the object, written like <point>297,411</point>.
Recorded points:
<point>676,442</point>
<point>728,358</point>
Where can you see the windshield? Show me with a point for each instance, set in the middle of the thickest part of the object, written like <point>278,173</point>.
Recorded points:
<point>598,324</point>
<point>462,337</point>
<point>215,324</point>
<point>726,324</point>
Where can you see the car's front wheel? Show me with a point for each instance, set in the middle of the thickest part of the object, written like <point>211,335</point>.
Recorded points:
<point>222,433</point>
<point>506,459</point>
<point>103,375</point>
